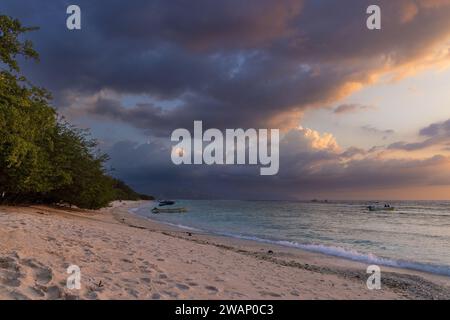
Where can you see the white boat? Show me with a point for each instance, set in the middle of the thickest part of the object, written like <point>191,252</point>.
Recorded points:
<point>168,210</point>
<point>381,208</point>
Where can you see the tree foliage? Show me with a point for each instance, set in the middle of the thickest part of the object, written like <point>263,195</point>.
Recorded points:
<point>43,158</point>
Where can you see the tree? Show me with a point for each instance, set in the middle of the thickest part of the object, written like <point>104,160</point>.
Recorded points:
<point>27,122</point>
<point>77,154</point>
<point>43,158</point>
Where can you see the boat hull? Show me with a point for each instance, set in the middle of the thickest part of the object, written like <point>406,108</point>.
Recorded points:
<point>373,209</point>
<point>168,210</point>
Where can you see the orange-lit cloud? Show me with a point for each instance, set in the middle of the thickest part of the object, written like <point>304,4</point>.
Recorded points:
<point>318,141</point>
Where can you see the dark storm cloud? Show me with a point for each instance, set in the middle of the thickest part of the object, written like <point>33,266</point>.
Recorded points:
<point>246,63</point>
<point>304,171</point>
<point>200,25</point>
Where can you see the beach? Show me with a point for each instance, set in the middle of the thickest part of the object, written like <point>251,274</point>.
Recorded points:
<point>124,256</point>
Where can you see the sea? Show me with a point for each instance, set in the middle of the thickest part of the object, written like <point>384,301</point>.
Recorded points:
<point>415,236</point>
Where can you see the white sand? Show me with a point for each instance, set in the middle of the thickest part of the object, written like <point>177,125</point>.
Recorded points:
<point>122,256</point>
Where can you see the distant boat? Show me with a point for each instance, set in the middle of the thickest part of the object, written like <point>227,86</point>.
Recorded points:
<point>386,207</point>
<point>319,201</point>
<point>166,203</point>
<point>168,210</point>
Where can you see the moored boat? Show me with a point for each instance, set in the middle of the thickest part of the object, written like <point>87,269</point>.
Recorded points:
<point>169,210</point>
<point>166,203</point>
<point>386,207</point>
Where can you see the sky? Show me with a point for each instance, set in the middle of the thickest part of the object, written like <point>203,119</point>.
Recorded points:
<point>363,114</point>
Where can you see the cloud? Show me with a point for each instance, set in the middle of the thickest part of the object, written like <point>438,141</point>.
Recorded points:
<point>440,129</point>
<point>316,140</point>
<point>351,108</point>
<point>260,65</point>
<point>409,12</point>
<point>438,134</point>
<point>305,171</point>
<point>353,152</point>
<point>408,146</point>
<point>385,133</point>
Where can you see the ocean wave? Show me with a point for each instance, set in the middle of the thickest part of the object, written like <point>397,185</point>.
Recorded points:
<point>181,226</point>
<point>352,255</point>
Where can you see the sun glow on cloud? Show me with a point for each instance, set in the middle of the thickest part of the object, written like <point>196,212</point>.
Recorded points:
<point>318,141</point>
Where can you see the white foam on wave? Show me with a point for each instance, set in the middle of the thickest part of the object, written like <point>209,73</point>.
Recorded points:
<point>133,210</point>
<point>352,255</point>
<point>180,226</point>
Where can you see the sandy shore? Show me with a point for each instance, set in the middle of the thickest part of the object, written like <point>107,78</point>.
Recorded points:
<point>122,256</point>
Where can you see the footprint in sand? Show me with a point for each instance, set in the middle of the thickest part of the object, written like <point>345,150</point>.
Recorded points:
<point>172,295</point>
<point>54,293</point>
<point>212,289</point>
<point>192,284</point>
<point>132,292</point>
<point>270,294</point>
<point>15,295</point>
<point>42,273</point>
<point>10,272</point>
<point>156,296</point>
<point>182,286</point>
<point>36,292</point>
<point>144,269</point>
<point>146,280</point>
<point>295,293</point>
<point>13,269</point>
<point>91,295</point>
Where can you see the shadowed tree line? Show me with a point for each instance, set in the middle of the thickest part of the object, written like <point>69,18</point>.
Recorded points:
<point>43,158</point>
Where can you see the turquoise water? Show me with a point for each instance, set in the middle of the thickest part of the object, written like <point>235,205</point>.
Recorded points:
<point>415,236</point>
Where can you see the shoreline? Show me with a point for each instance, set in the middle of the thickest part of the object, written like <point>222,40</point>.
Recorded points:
<point>124,256</point>
<point>282,253</point>
<point>335,252</point>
